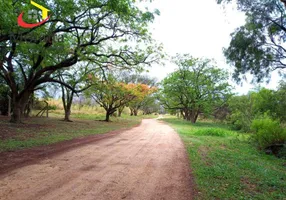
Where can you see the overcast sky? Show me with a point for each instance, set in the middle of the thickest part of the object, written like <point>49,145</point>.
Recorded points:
<point>199,27</point>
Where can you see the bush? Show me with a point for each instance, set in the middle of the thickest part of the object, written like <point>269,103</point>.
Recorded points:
<point>268,133</point>
<point>239,122</point>
<point>212,132</point>
<point>242,112</point>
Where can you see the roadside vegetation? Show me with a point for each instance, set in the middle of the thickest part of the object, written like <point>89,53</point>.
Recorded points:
<point>227,165</point>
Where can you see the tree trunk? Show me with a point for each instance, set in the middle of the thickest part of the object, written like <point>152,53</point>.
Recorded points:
<point>67,109</point>
<point>131,112</point>
<point>194,116</point>
<point>183,114</point>
<point>16,116</point>
<point>107,116</point>
<point>28,107</point>
<point>67,98</point>
<point>18,107</point>
<point>135,112</point>
<point>120,110</point>
<point>67,115</point>
<point>187,115</point>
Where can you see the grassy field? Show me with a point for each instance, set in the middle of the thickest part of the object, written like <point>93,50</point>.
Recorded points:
<point>44,131</point>
<point>226,166</point>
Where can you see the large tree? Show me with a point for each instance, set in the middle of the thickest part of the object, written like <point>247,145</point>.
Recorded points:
<point>258,46</point>
<point>197,87</point>
<point>102,32</point>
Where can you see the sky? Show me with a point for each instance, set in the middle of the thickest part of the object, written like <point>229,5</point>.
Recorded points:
<point>198,27</point>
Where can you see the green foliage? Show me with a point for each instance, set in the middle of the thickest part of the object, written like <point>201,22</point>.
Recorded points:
<point>258,46</point>
<point>245,108</point>
<point>281,102</point>
<point>52,107</point>
<point>145,98</point>
<point>212,132</point>
<point>267,132</point>
<point>106,33</point>
<point>110,94</point>
<point>196,87</point>
<point>230,167</point>
<point>242,112</point>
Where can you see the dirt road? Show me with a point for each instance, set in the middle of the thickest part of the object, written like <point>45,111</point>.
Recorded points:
<point>146,162</point>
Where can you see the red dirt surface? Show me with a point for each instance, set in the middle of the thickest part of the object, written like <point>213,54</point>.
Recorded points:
<point>145,162</point>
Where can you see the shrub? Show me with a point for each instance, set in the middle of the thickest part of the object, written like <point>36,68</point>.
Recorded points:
<point>267,133</point>
<point>242,112</point>
<point>212,132</point>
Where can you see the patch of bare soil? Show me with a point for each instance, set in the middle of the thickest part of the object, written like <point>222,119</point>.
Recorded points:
<point>146,162</point>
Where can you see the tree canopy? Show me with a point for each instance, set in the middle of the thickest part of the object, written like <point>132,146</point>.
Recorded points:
<point>197,87</point>
<point>258,46</point>
<point>110,94</point>
<point>106,33</point>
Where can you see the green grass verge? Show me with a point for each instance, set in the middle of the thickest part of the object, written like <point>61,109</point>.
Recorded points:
<point>226,166</point>
<point>45,131</point>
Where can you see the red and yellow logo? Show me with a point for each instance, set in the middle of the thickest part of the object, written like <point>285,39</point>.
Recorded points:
<point>45,17</point>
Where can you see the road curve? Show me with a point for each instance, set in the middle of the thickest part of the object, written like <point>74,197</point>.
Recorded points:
<point>146,162</point>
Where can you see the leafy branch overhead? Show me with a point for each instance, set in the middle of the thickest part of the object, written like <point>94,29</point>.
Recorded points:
<point>102,33</point>
<point>258,46</point>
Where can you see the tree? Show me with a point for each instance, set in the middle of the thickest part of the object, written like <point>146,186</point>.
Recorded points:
<point>142,93</point>
<point>258,46</point>
<point>271,102</point>
<point>150,105</point>
<point>111,95</point>
<point>77,79</point>
<point>144,87</point>
<point>197,87</point>
<point>100,32</point>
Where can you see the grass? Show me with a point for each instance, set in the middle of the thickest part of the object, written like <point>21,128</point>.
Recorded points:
<point>45,131</point>
<point>226,166</point>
